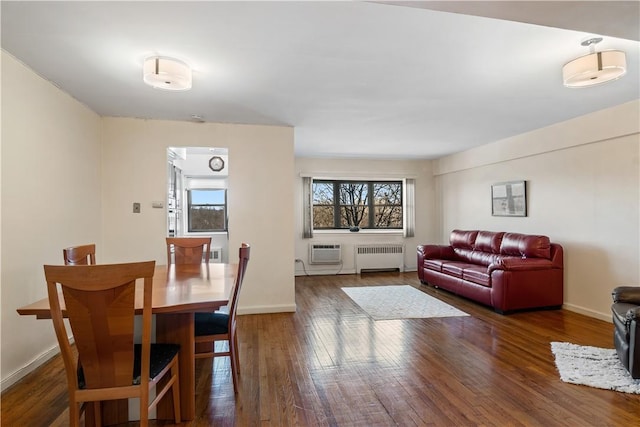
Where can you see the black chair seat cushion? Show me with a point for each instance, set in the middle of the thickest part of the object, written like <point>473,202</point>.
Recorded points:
<point>161,356</point>
<point>211,323</point>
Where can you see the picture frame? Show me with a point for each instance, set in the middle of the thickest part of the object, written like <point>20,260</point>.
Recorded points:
<point>509,198</point>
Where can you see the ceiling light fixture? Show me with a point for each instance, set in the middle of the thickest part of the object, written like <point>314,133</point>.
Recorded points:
<point>595,68</point>
<point>166,73</point>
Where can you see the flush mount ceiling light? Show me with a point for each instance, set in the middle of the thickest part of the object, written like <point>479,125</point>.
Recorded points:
<point>595,68</point>
<point>166,73</point>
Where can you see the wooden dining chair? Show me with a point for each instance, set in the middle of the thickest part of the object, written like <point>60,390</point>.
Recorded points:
<point>188,250</point>
<point>100,305</point>
<point>217,326</point>
<point>80,255</point>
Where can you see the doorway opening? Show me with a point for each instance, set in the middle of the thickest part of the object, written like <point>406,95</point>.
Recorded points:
<point>197,188</point>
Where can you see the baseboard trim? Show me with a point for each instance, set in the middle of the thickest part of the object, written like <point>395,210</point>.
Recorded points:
<point>30,367</point>
<point>323,272</point>
<point>588,312</point>
<point>267,309</point>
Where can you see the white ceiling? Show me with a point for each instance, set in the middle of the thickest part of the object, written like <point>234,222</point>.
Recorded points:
<point>355,79</point>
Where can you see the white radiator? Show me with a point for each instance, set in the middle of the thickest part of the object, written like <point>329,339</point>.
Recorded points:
<point>215,255</point>
<point>379,256</point>
<point>325,253</point>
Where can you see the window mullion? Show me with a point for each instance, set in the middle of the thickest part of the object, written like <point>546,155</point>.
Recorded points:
<point>336,204</point>
<point>370,205</point>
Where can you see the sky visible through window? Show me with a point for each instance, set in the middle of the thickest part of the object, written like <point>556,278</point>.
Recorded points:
<point>207,197</point>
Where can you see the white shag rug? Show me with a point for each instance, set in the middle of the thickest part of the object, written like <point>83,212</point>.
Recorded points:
<point>399,302</point>
<point>594,367</point>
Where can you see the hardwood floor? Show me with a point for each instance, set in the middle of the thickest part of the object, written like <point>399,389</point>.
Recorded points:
<point>329,364</point>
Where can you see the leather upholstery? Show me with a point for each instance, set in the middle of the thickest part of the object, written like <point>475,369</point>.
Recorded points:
<point>525,246</point>
<point>507,271</point>
<point>463,239</point>
<point>626,321</point>
<point>629,294</point>
<point>488,241</point>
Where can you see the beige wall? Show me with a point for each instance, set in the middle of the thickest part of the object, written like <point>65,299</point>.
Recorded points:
<point>70,177</point>
<point>51,188</point>
<point>261,163</point>
<point>583,184</point>
<point>426,231</point>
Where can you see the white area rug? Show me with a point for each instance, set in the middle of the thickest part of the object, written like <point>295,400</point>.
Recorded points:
<point>399,302</point>
<point>593,366</point>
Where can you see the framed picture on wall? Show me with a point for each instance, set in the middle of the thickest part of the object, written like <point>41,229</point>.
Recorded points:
<point>509,198</point>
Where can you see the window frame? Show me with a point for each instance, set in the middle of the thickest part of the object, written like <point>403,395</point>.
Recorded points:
<point>371,205</point>
<point>223,205</point>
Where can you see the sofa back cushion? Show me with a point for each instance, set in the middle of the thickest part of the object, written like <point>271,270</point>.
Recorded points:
<point>488,241</point>
<point>525,246</point>
<point>463,239</point>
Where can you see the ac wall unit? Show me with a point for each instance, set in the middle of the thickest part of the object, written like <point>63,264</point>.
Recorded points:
<point>323,253</point>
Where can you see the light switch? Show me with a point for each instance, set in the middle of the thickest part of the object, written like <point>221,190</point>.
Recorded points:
<point>157,205</point>
<point>136,208</point>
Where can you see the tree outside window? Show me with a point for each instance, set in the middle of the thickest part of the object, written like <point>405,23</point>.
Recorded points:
<point>340,204</point>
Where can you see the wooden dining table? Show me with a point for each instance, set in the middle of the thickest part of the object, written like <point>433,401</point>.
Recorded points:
<point>179,291</point>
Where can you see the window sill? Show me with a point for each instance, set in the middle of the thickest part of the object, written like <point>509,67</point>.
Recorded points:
<point>204,233</point>
<point>342,232</point>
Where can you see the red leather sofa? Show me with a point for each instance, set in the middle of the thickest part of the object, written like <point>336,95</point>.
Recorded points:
<point>506,271</point>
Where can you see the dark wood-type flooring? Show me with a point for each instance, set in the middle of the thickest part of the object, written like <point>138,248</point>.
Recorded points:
<point>329,364</point>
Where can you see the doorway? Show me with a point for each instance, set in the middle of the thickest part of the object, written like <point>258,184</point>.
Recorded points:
<point>197,186</point>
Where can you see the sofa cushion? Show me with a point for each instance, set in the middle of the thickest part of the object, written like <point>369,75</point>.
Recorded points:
<point>525,246</point>
<point>455,268</point>
<point>483,258</point>
<point>463,239</point>
<point>434,264</point>
<point>477,275</point>
<point>488,241</point>
<point>463,255</point>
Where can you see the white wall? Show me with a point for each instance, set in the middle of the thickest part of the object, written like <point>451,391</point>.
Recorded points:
<point>51,188</point>
<point>260,198</point>
<point>198,165</point>
<point>426,230</point>
<point>583,191</point>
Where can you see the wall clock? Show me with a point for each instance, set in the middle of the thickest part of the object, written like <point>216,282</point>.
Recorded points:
<point>216,163</point>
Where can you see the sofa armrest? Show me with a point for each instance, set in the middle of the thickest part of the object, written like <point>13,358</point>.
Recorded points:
<point>432,252</point>
<point>521,264</point>
<point>633,314</point>
<point>436,252</point>
<point>557,255</point>
<point>628,294</point>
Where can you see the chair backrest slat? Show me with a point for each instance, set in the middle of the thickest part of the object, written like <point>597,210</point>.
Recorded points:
<point>102,325</point>
<point>80,255</point>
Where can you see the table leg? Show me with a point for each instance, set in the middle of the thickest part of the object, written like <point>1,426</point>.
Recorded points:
<point>177,328</point>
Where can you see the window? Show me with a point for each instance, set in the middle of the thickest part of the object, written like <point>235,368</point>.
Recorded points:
<point>341,204</point>
<point>207,210</point>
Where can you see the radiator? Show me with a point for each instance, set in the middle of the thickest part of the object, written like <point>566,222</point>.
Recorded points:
<point>215,255</point>
<point>323,253</point>
<point>379,256</point>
